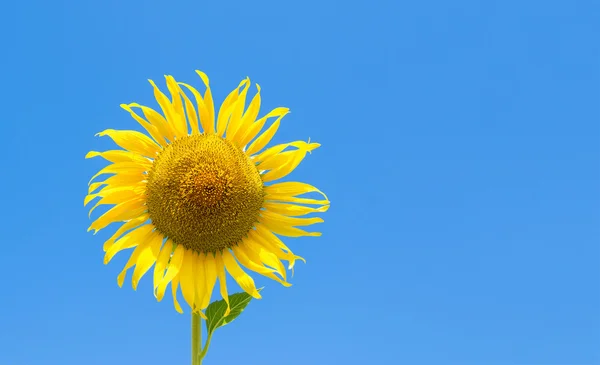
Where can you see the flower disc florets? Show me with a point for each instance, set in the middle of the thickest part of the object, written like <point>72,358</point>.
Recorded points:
<point>204,193</point>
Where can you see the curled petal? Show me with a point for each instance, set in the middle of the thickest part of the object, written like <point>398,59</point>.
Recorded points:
<point>133,141</point>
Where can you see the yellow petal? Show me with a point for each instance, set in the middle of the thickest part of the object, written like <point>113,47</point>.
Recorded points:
<point>291,189</point>
<point>222,280</point>
<point>161,263</point>
<point>157,120</point>
<point>207,124</point>
<point>247,120</point>
<point>187,277</point>
<point>264,138</point>
<point>108,190</point>
<point>152,129</point>
<point>173,269</point>
<point>274,156</point>
<point>276,152</point>
<point>287,167</point>
<point>265,238</point>
<point>133,141</point>
<point>243,258</point>
<point>293,210</point>
<point>117,181</point>
<point>280,159</point>
<point>272,152</point>
<point>285,227</point>
<point>115,156</point>
<point>179,121</point>
<point>122,168</point>
<point>131,262</point>
<point>189,108</point>
<point>238,109</point>
<point>288,231</point>
<point>131,239</point>
<point>121,212</point>
<point>129,225</point>
<point>199,281</point>
<point>210,271</point>
<point>266,255</point>
<point>173,120</point>
<point>257,126</point>
<point>290,199</point>
<point>244,280</point>
<point>175,95</point>
<point>208,102</point>
<point>291,221</point>
<point>94,186</point>
<point>147,257</point>
<point>174,285</point>
<point>226,110</point>
<point>115,197</point>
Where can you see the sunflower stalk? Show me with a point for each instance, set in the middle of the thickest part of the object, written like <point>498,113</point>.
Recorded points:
<point>198,351</point>
<point>196,339</point>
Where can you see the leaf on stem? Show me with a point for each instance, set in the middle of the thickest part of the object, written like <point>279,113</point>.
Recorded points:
<point>215,312</point>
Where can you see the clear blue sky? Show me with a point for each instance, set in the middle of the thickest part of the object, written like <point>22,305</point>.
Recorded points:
<point>460,148</point>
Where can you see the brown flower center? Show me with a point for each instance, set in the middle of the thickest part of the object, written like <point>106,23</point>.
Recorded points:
<point>204,193</point>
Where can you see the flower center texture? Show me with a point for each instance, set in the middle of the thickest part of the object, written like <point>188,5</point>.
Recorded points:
<point>204,193</point>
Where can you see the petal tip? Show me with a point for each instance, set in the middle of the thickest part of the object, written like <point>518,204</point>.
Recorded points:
<point>91,154</point>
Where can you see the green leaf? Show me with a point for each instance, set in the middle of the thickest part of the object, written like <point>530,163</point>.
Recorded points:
<point>215,312</point>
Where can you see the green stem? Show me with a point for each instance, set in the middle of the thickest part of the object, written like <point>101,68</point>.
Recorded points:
<point>196,339</point>
<point>205,350</point>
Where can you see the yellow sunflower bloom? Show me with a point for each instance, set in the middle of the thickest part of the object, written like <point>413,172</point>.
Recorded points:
<point>192,198</point>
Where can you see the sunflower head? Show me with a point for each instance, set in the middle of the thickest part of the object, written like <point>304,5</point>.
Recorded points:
<point>204,193</point>
<point>195,195</point>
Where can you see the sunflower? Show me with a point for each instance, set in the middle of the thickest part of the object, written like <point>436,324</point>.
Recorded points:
<point>195,196</point>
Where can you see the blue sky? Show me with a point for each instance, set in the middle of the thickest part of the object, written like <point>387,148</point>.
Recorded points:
<point>460,148</point>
